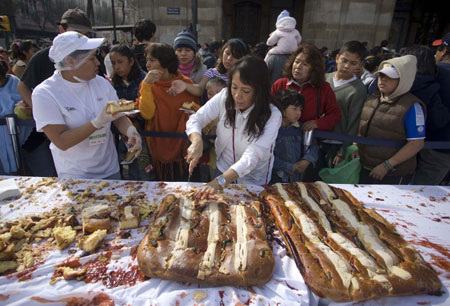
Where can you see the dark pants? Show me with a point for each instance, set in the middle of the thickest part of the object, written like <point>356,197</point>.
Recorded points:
<point>39,161</point>
<point>432,167</point>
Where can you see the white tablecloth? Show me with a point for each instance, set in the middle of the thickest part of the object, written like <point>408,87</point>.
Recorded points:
<point>421,215</point>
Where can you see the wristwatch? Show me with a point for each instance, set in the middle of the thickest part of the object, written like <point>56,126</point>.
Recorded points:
<point>221,181</point>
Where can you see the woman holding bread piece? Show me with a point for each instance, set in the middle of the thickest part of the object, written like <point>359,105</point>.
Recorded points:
<point>162,111</point>
<point>247,128</point>
<point>70,107</point>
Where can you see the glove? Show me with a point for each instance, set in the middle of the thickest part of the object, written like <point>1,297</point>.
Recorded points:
<point>103,118</point>
<point>135,139</point>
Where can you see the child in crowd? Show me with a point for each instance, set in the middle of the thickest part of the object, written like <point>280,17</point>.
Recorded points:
<point>126,78</point>
<point>392,114</point>
<point>291,157</point>
<point>213,87</point>
<point>285,37</point>
<point>350,95</point>
<point>371,63</point>
<point>22,51</point>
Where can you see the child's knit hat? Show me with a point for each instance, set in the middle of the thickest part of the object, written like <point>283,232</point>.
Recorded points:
<point>283,14</point>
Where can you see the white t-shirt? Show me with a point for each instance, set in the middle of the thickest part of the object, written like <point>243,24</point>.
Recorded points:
<point>338,83</point>
<point>252,160</point>
<point>57,101</point>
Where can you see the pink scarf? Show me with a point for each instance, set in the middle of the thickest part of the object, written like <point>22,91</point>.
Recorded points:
<point>187,69</point>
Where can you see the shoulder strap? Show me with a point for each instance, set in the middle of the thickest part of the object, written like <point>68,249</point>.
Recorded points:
<point>318,102</point>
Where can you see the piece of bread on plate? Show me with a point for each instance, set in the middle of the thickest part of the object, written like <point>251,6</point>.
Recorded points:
<point>191,106</point>
<point>122,105</point>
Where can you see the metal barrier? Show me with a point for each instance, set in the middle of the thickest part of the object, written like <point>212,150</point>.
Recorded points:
<point>13,132</point>
<point>12,123</point>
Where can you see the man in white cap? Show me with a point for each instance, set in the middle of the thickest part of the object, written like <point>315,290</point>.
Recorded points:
<point>393,114</point>
<point>70,108</point>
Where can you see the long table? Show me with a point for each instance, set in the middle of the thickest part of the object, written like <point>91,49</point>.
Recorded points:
<point>420,214</point>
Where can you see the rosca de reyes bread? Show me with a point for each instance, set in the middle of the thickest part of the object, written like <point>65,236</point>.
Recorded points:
<point>191,106</point>
<point>208,242</point>
<point>122,105</point>
<point>344,251</point>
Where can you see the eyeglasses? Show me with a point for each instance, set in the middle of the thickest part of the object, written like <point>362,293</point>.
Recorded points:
<point>88,34</point>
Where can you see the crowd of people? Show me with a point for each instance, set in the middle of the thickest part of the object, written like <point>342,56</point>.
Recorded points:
<point>259,101</point>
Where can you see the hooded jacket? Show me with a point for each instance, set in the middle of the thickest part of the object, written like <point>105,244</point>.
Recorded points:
<point>443,78</point>
<point>285,37</point>
<point>383,117</point>
<point>426,88</point>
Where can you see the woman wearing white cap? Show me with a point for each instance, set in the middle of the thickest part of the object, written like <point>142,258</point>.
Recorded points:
<point>70,108</point>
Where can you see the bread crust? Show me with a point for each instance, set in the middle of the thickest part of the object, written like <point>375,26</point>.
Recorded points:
<point>96,218</point>
<point>114,107</point>
<point>159,254</point>
<point>191,106</point>
<point>344,251</point>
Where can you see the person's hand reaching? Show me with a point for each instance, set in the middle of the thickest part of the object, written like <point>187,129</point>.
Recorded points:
<point>134,139</point>
<point>309,125</point>
<point>301,166</point>
<point>177,87</point>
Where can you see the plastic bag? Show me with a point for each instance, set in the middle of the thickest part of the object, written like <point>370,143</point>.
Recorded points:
<point>346,172</point>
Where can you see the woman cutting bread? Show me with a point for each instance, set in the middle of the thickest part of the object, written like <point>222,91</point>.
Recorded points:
<point>247,128</point>
<point>70,107</point>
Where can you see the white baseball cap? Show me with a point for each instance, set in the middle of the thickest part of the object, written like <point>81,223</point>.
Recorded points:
<point>389,70</point>
<point>68,42</point>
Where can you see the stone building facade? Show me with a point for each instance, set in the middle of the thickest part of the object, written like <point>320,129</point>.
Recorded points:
<point>322,22</point>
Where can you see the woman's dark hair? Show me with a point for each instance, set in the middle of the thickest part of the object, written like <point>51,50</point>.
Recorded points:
<point>314,58</point>
<point>260,82</point>
<point>18,49</point>
<point>260,49</point>
<point>371,63</point>
<point>3,69</point>
<point>286,97</point>
<point>426,63</point>
<point>165,54</point>
<point>238,49</point>
<point>135,71</point>
<point>375,50</point>
<point>385,57</point>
